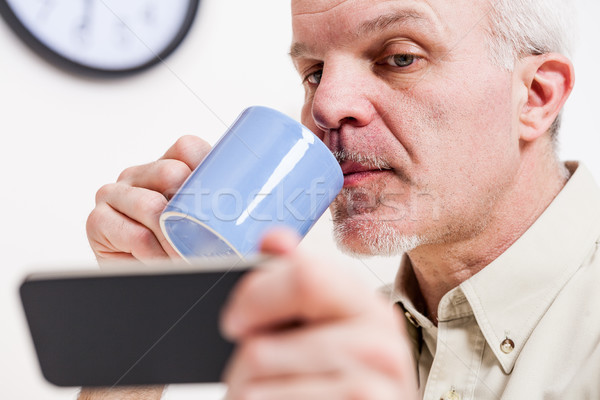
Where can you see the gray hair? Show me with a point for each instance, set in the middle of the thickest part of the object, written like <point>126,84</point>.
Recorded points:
<point>519,28</point>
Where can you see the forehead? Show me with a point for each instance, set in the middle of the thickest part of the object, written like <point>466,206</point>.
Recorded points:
<point>321,6</point>
<point>314,6</point>
<point>449,17</point>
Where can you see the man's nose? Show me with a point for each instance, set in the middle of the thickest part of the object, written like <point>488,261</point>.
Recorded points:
<point>342,97</point>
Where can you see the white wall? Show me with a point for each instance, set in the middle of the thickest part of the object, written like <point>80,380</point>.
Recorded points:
<point>62,137</point>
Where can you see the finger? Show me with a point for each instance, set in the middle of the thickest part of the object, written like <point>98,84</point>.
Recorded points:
<point>162,176</point>
<point>168,173</point>
<point>373,343</point>
<point>114,235</point>
<point>279,241</point>
<point>257,359</point>
<point>332,386</point>
<point>140,205</point>
<point>290,289</point>
<point>189,149</point>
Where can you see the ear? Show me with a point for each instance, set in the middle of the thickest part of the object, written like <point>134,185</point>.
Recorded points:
<point>549,79</point>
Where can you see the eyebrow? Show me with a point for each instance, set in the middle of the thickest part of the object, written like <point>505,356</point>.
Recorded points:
<point>380,23</point>
<point>384,21</point>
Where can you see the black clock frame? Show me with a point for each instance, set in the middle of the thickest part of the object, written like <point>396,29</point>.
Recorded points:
<point>70,65</point>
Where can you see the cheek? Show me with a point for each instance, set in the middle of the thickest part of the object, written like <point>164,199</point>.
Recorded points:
<point>460,123</point>
<point>488,126</point>
<point>482,153</point>
<point>459,141</point>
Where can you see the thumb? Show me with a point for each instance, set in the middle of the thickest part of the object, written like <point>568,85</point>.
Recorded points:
<point>279,241</point>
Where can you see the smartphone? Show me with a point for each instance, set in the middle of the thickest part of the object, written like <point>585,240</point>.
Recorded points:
<point>131,324</point>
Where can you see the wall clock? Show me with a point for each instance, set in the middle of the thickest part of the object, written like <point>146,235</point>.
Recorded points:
<point>101,37</point>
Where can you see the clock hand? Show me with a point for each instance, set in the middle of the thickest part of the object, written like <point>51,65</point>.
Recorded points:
<point>82,30</point>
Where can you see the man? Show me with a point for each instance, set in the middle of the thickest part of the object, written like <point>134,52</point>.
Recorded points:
<point>443,116</point>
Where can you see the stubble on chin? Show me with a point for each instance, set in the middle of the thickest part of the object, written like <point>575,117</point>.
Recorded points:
<point>372,238</point>
<point>361,227</point>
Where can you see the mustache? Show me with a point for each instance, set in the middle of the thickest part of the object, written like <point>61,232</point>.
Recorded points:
<point>368,160</point>
<point>371,161</point>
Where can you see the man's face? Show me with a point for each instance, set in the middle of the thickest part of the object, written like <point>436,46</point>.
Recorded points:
<point>404,92</point>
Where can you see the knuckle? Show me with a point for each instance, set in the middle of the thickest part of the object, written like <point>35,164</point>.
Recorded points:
<point>183,143</point>
<point>172,173</point>
<point>152,204</point>
<point>142,237</point>
<point>127,173</point>
<point>93,222</point>
<point>104,192</point>
<point>189,149</point>
<point>190,143</point>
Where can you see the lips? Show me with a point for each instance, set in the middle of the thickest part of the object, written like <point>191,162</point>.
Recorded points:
<point>352,167</point>
<point>355,172</point>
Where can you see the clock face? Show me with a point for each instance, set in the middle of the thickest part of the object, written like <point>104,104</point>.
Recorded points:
<point>103,36</point>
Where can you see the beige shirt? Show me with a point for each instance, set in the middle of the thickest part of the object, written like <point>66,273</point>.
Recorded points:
<point>528,325</point>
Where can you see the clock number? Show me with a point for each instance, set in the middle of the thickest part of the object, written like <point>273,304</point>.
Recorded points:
<point>150,14</point>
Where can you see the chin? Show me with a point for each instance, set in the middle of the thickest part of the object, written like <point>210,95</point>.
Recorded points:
<point>373,238</point>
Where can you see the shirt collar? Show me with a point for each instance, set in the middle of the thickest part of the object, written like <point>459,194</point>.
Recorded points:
<point>510,295</point>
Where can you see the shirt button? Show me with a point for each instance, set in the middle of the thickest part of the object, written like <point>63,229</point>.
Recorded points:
<point>507,346</point>
<point>411,319</point>
<point>451,395</point>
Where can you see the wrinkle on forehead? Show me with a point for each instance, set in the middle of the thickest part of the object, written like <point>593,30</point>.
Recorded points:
<point>307,7</point>
<point>442,13</point>
<point>311,7</point>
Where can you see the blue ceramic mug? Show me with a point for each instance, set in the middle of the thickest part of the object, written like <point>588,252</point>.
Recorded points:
<point>266,171</point>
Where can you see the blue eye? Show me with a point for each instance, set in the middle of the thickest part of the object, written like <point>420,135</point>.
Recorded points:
<point>401,60</point>
<point>315,77</point>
